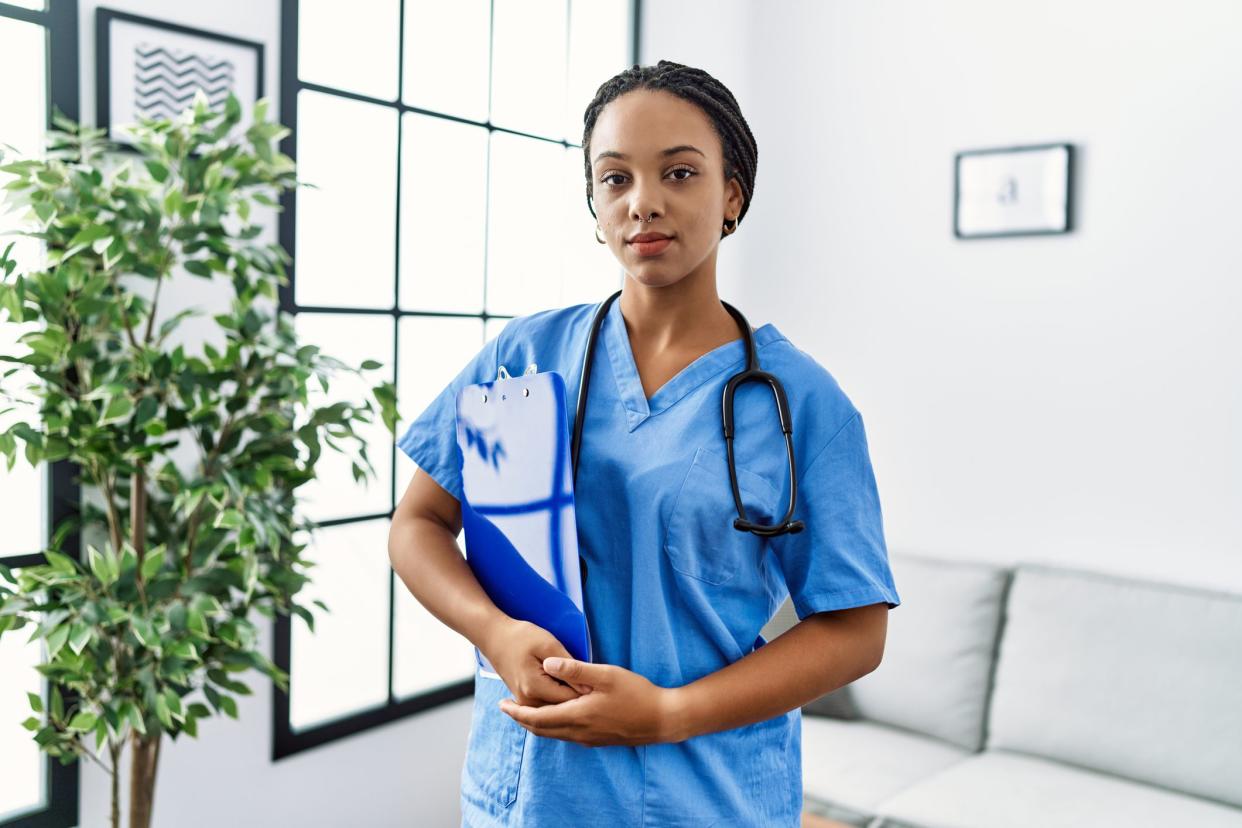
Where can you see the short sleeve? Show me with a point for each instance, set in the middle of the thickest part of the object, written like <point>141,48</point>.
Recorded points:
<point>431,439</point>
<point>839,560</point>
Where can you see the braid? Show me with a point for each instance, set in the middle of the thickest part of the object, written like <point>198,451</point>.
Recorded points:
<point>741,154</point>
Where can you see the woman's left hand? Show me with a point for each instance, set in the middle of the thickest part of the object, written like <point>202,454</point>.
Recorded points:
<point>618,707</point>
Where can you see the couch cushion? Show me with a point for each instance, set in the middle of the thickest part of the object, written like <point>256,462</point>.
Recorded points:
<point>848,768</point>
<point>997,788</point>
<point>939,655</point>
<point>1138,679</point>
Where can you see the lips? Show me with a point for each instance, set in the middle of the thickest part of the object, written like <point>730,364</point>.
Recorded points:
<point>649,237</point>
<point>651,248</point>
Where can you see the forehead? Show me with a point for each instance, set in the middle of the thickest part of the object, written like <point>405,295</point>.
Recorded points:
<point>644,122</point>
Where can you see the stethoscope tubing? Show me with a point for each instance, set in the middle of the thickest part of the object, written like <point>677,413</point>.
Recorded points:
<point>751,373</point>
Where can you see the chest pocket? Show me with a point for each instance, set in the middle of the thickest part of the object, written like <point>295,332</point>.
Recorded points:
<point>700,540</point>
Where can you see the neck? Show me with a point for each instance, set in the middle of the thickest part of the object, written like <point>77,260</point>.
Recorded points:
<point>686,315</point>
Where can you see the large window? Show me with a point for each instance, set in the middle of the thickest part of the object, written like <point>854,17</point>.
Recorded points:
<point>443,143</point>
<point>38,65</point>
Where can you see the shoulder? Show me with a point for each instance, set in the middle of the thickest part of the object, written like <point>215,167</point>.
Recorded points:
<point>552,322</point>
<point>817,401</point>
<point>550,338</point>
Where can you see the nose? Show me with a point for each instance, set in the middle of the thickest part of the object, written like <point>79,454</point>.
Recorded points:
<point>644,202</point>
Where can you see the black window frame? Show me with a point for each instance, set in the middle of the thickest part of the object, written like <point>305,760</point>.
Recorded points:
<point>286,741</point>
<point>60,19</point>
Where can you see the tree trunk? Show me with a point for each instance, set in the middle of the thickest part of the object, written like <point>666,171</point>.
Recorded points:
<point>146,757</point>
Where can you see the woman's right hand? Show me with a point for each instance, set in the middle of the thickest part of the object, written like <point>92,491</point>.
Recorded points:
<point>517,649</point>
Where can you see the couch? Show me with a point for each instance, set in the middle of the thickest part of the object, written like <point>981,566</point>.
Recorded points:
<point>1034,695</point>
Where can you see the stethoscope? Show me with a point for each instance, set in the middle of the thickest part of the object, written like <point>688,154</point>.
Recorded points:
<point>751,373</point>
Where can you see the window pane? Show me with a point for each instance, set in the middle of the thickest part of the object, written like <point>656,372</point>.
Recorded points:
<point>350,46</point>
<point>426,652</point>
<point>591,272</point>
<point>528,66</point>
<point>343,666</point>
<point>446,56</point>
<point>599,47</point>
<point>351,338</point>
<point>525,233</point>
<point>21,764</point>
<point>493,326</point>
<point>443,195</point>
<point>23,489</point>
<point>345,227</point>
<point>23,116</point>
<point>37,5</point>
<point>433,351</point>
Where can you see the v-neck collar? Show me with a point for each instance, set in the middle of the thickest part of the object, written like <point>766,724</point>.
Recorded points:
<point>630,387</point>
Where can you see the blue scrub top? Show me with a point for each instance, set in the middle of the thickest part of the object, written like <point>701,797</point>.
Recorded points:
<point>673,592</point>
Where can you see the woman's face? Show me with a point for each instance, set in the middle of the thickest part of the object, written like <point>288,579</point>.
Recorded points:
<point>633,175</point>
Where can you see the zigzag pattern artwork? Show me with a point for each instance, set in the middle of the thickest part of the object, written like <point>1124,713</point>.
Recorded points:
<point>165,80</point>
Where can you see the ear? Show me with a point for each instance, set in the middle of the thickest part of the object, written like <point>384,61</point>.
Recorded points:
<point>733,198</point>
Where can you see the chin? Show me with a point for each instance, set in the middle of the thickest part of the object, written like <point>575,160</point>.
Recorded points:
<point>655,276</point>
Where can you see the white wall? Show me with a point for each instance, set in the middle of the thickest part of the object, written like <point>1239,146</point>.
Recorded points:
<point>1070,398</point>
<point>1066,398</point>
<point>403,774</point>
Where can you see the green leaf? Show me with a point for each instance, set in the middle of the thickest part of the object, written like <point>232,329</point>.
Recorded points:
<point>61,562</point>
<point>147,408</point>
<point>158,171</point>
<point>82,721</point>
<point>90,234</point>
<point>132,713</point>
<point>153,562</point>
<point>162,712</point>
<point>119,408</point>
<point>100,566</point>
<point>36,701</point>
<point>229,519</point>
<point>198,268</point>
<point>79,636</point>
<point>57,640</point>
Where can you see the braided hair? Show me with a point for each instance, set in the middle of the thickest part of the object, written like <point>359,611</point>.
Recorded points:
<point>741,154</point>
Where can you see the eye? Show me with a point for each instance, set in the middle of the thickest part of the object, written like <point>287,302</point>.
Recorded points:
<point>689,170</point>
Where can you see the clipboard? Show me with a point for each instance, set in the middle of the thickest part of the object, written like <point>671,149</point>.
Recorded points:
<point>518,504</point>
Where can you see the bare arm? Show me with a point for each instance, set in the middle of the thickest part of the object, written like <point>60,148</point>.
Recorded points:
<point>423,551</point>
<point>821,653</point>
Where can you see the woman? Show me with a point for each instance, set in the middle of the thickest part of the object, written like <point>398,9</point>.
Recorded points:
<point>688,717</point>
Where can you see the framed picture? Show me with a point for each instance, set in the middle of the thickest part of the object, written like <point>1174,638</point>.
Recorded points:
<point>147,68</point>
<point>1012,191</point>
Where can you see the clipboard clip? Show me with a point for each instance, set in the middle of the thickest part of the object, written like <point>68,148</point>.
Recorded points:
<point>503,373</point>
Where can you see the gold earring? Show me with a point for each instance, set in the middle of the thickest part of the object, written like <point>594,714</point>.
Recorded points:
<point>730,226</point>
<point>597,238</point>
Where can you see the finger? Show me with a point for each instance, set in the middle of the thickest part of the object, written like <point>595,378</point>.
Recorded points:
<point>553,715</point>
<point>550,690</point>
<point>577,672</point>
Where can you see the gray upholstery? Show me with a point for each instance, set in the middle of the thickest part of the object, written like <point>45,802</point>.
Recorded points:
<point>849,768</point>
<point>1037,696</point>
<point>998,789</point>
<point>940,650</point>
<point>1136,679</point>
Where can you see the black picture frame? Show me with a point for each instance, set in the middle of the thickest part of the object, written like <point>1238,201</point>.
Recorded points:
<point>1015,225</point>
<point>163,100</point>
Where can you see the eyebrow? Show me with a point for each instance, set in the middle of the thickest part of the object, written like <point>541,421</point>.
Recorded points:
<point>665,153</point>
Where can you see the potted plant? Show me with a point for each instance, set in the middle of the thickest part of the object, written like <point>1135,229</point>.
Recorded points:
<point>156,614</point>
